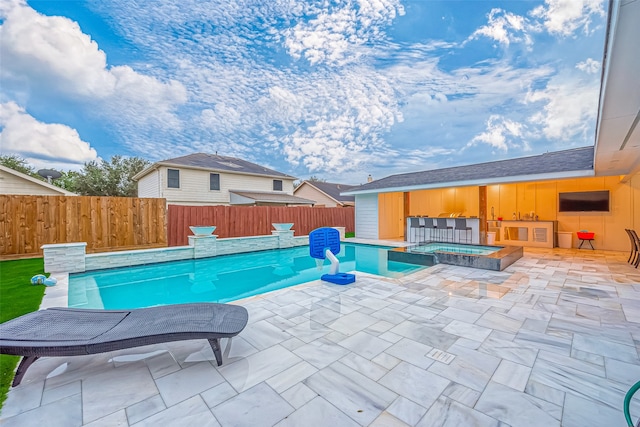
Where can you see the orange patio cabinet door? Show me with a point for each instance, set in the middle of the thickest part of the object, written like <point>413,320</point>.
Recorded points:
<point>390,216</point>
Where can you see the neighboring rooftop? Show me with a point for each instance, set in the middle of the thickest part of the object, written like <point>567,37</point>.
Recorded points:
<point>575,162</point>
<point>240,197</point>
<point>24,184</point>
<point>332,190</point>
<point>216,162</point>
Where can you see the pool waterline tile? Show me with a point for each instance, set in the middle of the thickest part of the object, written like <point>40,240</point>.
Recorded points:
<point>220,278</point>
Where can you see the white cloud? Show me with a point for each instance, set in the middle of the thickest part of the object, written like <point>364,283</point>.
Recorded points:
<point>501,133</point>
<point>589,66</point>
<point>52,53</point>
<point>564,17</point>
<point>334,35</point>
<point>53,48</point>
<point>318,120</point>
<point>505,28</point>
<point>557,17</point>
<point>570,108</point>
<point>321,87</point>
<point>446,103</point>
<point>41,144</point>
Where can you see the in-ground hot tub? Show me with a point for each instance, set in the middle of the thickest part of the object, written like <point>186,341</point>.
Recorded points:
<point>495,258</point>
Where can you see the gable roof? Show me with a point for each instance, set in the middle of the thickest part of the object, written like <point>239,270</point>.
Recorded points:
<point>214,162</point>
<point>332,190</point>
<point>572,163</point>
<point>33,180</point>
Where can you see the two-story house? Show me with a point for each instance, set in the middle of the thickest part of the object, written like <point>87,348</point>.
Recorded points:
<point>211,179</point>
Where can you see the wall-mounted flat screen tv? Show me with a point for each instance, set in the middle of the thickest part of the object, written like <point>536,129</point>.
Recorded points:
<point>584,201</point>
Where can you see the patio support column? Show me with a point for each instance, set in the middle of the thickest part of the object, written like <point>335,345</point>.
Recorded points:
<point>482,214</point>
<point>406,212</point>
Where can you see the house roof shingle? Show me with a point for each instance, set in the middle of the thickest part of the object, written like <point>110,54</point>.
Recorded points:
<point>272,197</point>
<point>219,163</point>
<point>333,190</point>
<point>573,160</point>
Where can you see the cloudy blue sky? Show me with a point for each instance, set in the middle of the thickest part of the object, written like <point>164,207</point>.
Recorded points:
<point>335,89</point>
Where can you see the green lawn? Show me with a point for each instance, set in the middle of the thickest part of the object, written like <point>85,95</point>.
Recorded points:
<point>349,234</point>
<point>17,297</point>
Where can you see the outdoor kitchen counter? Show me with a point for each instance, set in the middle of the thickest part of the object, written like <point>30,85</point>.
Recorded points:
<point>540,234</point>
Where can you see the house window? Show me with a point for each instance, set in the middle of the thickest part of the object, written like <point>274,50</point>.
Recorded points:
<point>214,181</point>
<point>173,178</point>
<point>277,185</point>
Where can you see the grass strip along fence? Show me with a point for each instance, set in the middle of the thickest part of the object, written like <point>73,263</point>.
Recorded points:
<point>17,297</point>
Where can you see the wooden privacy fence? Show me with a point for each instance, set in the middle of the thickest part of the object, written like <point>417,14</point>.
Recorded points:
<point>238,221</point>
<point>105,223</point>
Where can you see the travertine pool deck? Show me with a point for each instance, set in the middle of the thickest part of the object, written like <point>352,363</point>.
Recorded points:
<point>551,340</point>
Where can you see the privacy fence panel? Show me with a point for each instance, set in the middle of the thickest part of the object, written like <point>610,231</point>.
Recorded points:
<point>104,223</point>
<point>239,221</point>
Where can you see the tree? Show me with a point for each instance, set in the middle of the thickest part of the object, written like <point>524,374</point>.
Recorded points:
<point>17,163</point>
<point>68,181</point>
<point>110,178</point>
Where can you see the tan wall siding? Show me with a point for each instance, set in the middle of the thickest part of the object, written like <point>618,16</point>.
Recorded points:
<point>307,192</point>
<point>194,187</point>
<point>11,184</point>
<point>149,185</point>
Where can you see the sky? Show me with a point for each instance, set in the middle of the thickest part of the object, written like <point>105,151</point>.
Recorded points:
<point>337,90</point>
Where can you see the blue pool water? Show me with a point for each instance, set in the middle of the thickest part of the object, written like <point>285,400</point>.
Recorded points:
<point>456,248</point>
<point>220,279</point>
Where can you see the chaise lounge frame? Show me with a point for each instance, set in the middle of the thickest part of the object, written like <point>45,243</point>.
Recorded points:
<point>63,331</point>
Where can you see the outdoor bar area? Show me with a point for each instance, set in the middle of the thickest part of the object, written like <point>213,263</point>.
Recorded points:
<point>444,228</point>
<point>584,212</point>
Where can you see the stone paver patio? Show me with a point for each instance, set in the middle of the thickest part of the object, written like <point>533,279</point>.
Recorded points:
<point>552,340</point>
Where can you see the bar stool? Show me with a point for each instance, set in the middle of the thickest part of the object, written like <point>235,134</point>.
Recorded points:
<point>429,225</point>
<point>442,227</point>
<point>461,225</point>
<point>414,224</point>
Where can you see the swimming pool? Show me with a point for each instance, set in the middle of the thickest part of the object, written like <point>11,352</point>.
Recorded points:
<point>220,279</point>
